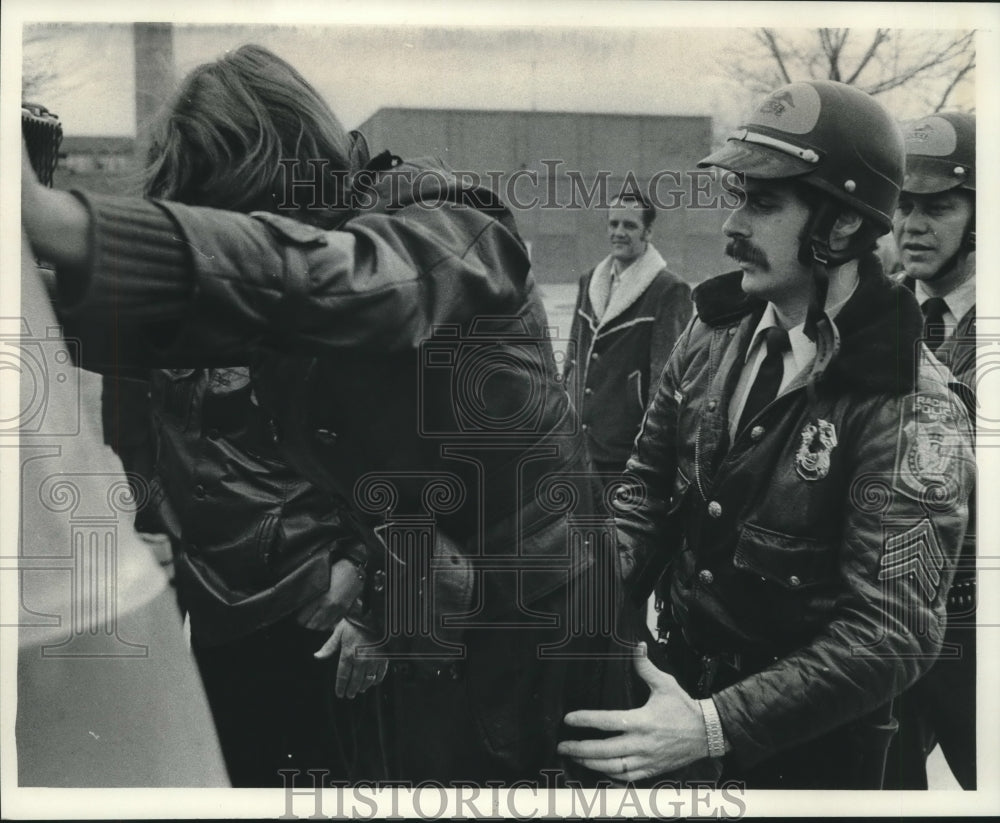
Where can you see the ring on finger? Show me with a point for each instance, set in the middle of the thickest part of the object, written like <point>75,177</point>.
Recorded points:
<point>624,765</point>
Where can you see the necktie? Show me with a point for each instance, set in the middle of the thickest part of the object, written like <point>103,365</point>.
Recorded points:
<point>934,309</point>
<point>768,380</point>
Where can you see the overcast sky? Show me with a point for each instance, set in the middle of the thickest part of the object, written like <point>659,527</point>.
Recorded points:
<point>625,57</point>
<point>360,68</point>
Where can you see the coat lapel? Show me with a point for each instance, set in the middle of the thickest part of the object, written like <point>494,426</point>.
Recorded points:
<point>729,350</point>
<point>634,282</point>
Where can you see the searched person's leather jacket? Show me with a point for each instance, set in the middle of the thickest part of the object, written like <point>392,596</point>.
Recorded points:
<point>255,540</point>
<point>415,374</point>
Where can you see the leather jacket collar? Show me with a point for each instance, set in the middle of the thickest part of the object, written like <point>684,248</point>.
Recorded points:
<point>880,327</point>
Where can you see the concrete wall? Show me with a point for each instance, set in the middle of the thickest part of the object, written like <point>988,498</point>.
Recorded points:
<point>104,165</point>
<point>565,235</point>
<point>155,80</point>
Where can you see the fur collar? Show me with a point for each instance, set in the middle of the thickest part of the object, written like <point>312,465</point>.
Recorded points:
<point>880,328</point>
<point>634,281</point>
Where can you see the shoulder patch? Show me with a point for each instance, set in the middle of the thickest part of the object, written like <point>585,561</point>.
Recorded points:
<point>917,553</point>
<point>925,452</point>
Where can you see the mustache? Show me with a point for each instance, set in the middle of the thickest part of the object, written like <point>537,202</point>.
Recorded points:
<point>739,248</point>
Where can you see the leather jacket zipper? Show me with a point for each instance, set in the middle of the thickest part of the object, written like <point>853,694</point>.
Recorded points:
<point>697,461</point>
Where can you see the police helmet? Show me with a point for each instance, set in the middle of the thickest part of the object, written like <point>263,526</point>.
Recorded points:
<point>829,135</point>
<point>940,153</point>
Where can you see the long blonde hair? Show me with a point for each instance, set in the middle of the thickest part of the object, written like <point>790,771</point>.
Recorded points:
<point>237,128</point>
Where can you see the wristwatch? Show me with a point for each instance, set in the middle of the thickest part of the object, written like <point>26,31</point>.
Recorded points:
<point>713,728</point>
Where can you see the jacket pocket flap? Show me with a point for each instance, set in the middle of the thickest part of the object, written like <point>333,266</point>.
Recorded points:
<point>791,562</point>
<point>291,230</point>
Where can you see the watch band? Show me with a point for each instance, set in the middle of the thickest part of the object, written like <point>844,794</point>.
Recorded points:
<point>713,728</point>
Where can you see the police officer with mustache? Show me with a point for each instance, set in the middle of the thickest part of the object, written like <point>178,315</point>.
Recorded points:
<point>803,472</point>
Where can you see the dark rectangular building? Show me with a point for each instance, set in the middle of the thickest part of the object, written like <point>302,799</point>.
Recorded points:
<point>554,169</point>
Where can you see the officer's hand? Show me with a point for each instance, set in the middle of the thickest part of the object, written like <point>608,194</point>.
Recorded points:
<point>666,734</point>
<point>355,673</point>
<point>346,584</point>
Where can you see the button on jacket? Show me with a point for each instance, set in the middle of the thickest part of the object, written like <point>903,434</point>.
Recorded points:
<point>829,525</point>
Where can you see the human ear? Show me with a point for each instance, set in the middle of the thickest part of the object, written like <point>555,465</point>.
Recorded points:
<point>847,224</point>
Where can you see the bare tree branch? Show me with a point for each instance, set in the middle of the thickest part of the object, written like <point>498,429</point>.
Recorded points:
<point>776,53</point>
<point>963,72</point>
<point>878,40</point>
<point>922,68</point>
<point>934,59</point>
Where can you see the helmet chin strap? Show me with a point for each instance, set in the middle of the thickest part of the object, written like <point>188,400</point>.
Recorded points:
<point>819,328</point>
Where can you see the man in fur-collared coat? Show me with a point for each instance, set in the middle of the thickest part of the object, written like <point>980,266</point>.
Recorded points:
<point>629,312</point>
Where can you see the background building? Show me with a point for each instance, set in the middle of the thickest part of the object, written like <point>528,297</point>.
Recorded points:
<point>549,165</point>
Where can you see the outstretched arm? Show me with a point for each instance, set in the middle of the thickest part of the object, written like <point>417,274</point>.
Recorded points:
<point>213,284</point>
<point>57,224</point>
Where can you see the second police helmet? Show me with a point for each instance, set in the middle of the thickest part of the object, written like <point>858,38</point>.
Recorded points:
<point>941,156</point>
<point>831,136</point>
<point>940,153</point>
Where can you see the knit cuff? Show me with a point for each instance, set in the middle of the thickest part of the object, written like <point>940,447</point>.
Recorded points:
<point>139,267</point>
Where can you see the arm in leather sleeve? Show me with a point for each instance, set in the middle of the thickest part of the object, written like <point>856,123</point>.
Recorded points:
<point>643,530</point>
<point>223,281</point>
<point>672,316</point>
<point>896,559</point>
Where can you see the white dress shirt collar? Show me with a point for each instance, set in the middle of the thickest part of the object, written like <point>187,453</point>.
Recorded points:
<point>959,300</point>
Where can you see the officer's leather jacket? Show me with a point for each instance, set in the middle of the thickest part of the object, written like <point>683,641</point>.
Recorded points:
<point>814,552</point>
<point>415,375</point>
<point>957,353</point>
<point>958,350</point>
